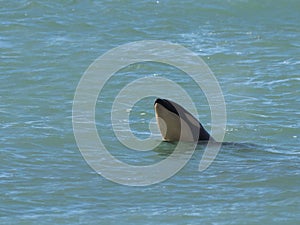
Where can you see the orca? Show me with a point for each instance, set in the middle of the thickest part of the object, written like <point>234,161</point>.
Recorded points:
<point>177,124</point>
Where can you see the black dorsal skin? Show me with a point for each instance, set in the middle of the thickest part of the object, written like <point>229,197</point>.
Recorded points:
<point>171,106</point>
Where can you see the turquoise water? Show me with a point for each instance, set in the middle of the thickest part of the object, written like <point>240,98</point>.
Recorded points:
<point>251,46</point>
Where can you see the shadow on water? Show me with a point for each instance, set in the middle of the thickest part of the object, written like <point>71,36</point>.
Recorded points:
<point>167,148</point>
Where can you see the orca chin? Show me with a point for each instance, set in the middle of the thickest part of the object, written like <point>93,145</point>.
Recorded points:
<point>177,124</point>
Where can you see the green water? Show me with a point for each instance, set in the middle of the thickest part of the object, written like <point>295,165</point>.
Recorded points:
<point>253,49</point>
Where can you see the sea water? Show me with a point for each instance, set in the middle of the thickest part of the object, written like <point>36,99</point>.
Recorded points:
<point>252,48</point>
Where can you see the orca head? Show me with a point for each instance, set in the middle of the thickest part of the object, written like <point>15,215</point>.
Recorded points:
<point>177,124</point>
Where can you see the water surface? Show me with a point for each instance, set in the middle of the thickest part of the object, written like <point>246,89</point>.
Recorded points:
<point>251,46</point>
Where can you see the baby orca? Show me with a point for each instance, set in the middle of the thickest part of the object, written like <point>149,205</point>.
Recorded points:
<point>177,124</point>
